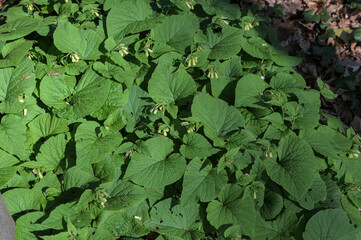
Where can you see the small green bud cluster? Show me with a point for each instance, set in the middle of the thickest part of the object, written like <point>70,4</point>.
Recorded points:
<point>148,50</point>
<point>212,72</point>
<point>354,153</point>
<point>38,172</point>
<point>190,4</point>
<point>156,108</point>
<point>192,61</point>
<point>163,129</point>
<point>74,57</point>
<point>21,98</point>
<point>101,196</point>
<point>122,49</point>
<point>94,11</point>
<point>191,127</point>
<point>129,153</point>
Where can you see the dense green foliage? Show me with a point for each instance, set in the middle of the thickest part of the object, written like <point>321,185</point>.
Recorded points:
<point>166,119</point>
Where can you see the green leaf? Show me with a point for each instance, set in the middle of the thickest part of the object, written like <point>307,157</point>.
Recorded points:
<point>135,106</point>
<point>55,90</point>
<point>319,142</point>
<point>273,201</point>
<point>110,44</point>
<point>59,236</point>
<point>295,168</point>
<point>173,221</point>
<point>18,50</point>
<point>26,225</point>
<point>117,99</point>
<point>152,168</point>
<point>333,195</point>
<point>70,39</point>
<point>21,199</point>
<point>46,125</point>
<point>316,193</point>
<point>352,168</point>
<point>16,86</point>
<point>101,234</point>
<point>127,71</point>
<point>90,48</point>
<point>176,31</point>
<point>221,8</point>
<point>12,135</point>
<point>311,17</point>
<point>232,68</point>
<point>201,182</point>
<point>130,16</point>
<point>216,115</point>
<point>67,37</point>
<point>18,28</point>
<point>88,96</point>
<point>166,86</point>
<point>52,152</point>
<point>308,117</point>
<point>281,57</point>
<point>124,195</point>
<point>248,91</point>
<point>59,214</point>
<point>223,88</point>
<point>285,224</point>
<point>330,224</point>
<point>357,34</point>
<point>7,160</point>
<point>6,174</point>
<point>120,223</point>
<point>287,82</point>
<point>338,140</point>
<point>90,93</point>
<point>232,208</point>
<point>256,47</point>
<point>352,211</point>
<point>91,145</point>
<point>195,145</point>
<point>78,176</point>
<point>227,45</point>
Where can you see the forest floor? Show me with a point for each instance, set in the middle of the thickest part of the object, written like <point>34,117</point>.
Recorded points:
<point>324,31</point>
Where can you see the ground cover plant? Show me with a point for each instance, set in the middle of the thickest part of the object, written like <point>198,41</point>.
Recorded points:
<point>166,120</point>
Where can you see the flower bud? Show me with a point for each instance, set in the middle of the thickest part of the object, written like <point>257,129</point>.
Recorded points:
<point>74,57</point>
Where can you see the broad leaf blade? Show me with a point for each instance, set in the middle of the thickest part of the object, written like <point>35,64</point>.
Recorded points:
<point>201,182</point>
<point>156,169</point>
<point>195,145</point>
<point>16,85</point>
<point>226,45</point>
<point>129,16</point>
<point>330,224</point>
<point>20,199</point>
<point>295,169</point>
<point>248,91</point>
<point>52,152</point>
<point>176,31</point>
<point>232,208</point>
<point>18,28</point>
<point>120,223</point>
<point>166,87</point>
<point>216,114</point>
<point>12,135</point>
